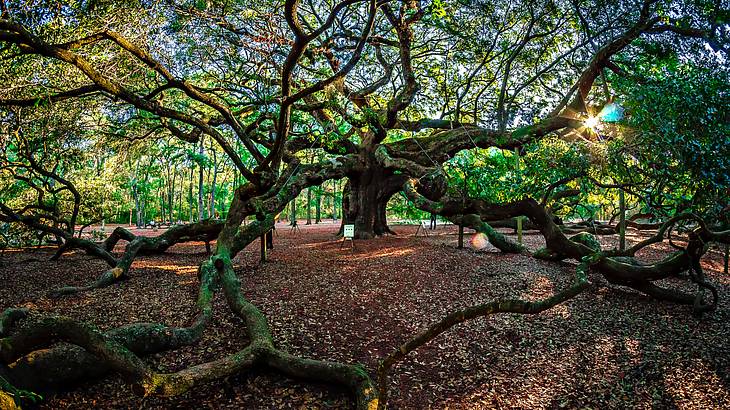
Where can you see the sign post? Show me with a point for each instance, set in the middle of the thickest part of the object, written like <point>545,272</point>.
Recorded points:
<point>348,234</point>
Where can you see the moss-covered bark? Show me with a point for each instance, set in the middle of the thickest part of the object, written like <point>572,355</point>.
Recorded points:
<point>558,246</point>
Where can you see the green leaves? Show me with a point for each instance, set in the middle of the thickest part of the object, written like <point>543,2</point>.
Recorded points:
<point>681,138</point>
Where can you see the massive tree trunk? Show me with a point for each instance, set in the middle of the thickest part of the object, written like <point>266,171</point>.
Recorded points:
<point>365,199</point>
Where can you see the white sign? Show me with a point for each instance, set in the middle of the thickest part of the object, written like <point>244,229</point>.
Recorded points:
<point>349,231</point>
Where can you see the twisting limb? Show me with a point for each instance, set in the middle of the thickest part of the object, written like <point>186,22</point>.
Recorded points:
<point>486,309</point>
<point>205,230</point>
<point>70,241</point>
<point>52,329</point>
<point>657,237</point>
<point>495,237</point>
<point>469,220</point>
<point>618,270</point>
<point>65,364</point>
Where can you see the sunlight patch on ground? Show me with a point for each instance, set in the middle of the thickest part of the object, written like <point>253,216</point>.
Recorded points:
<point>182,270</point>
<point>315,245</point>
<point>388,253</point>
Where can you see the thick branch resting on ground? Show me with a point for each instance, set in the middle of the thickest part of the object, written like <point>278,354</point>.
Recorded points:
<point>65,364</point>
<point>619,271</point>
<point>34,222</point>
<point>9,317</point>
<point>496,238</point>
<point>206,231</point>
<point>117,350</point>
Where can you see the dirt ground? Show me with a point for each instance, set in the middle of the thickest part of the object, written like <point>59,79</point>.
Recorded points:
<point>607,348</point>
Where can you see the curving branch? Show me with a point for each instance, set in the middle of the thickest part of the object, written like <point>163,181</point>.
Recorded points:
<point>201,231</point>
<point>452,319</point>
<point>618,270</point>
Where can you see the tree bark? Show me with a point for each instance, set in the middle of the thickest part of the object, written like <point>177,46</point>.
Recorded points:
<point>190,192</point>
<point>365,200</point>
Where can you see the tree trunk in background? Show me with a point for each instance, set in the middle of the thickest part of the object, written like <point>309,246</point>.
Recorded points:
<point>171,198</point>
<point>365,199</point>
<point>201,209</point>
<point>180,200</point>
<point>137,205</point>
<point>211,213</point>
<point>162,202</point>
<point>327,200</point>
<point>622,220</point>
<point>293,217</point>
<point>318,206</point>
<point>309,206</point>
<point>171,177</point>
<point>334,200</point>
<point>190,192</point>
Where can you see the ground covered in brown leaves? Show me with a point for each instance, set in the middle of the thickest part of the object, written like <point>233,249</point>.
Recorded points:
<point>607,348</point>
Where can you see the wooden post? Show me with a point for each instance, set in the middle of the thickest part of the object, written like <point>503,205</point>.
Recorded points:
<point>461,236</point>
<point>622,220</point>
<point>727,256</point>
<point>263,248</point>
<point>270,239</point>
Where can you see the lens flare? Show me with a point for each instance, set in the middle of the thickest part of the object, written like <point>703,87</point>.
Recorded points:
<point>479,241</point>
<point>612,112</point>
<point>591,122</point>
